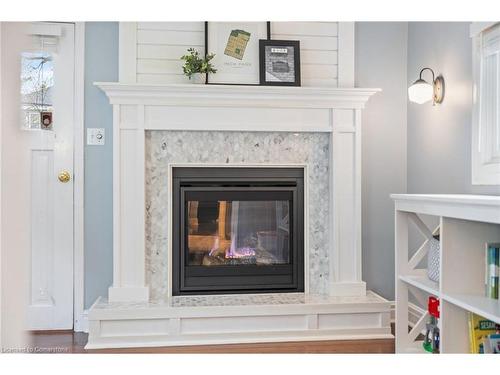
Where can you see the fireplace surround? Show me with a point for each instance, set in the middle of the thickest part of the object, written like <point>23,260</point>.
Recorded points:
<point>158,128</point>
<point>141,112</point>
<point>237,230</point>
<point>168,150</point>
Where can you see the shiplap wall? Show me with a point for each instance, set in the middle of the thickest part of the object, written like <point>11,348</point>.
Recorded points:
<point>160,46</point>
<point>318,49</point>
<point>150,51</point>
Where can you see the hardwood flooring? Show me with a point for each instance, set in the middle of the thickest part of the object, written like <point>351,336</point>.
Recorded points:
<point>74,342</point>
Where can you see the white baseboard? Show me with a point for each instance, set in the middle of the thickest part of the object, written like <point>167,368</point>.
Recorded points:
<point>82,323</point>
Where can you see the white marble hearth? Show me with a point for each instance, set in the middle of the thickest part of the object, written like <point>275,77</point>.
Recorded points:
<point>157,127</point>
<point>225,319</point>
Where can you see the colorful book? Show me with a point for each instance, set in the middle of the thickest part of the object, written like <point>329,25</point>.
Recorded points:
<point>492,272</point>
<point>492,344</point>
<point>482,334</point>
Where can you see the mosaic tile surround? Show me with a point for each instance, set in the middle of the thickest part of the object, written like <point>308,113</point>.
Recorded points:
<point>166,147</point>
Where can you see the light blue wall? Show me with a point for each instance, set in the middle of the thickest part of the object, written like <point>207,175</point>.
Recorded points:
<point>439,137</point>
<point>101,64</point>
<point>381,62</point>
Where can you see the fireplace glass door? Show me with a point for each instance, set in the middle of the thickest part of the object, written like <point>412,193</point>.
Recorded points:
<point>237,232</point>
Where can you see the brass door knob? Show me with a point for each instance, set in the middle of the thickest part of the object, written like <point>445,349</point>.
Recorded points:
<point>64,176</point>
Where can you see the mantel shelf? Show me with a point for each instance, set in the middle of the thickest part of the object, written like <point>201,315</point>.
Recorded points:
<point>235,95</point>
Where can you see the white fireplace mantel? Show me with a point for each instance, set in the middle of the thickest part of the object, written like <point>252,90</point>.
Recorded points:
<point>139,107</point>
<point>235,95</point>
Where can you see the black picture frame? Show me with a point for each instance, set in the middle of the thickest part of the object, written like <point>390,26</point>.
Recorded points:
<point>207,80</point>
<point>295,44</point>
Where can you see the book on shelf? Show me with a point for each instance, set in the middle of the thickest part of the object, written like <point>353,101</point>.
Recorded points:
<point>494,344</point>
<point>492,271</point>
<point>484,335</point>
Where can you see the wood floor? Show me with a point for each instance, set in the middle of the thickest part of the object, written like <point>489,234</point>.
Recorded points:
<point>74,342</point>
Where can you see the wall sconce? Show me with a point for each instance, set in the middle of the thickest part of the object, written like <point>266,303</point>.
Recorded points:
<point>421,91</point>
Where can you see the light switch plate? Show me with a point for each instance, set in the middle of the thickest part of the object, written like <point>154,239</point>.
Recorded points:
<point>95,136</point>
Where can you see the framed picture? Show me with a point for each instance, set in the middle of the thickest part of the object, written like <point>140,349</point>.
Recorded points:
<point>279,62</point>
<point>236,49</point>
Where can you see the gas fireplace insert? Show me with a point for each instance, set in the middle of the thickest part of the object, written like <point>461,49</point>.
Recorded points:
<point>237,230</point>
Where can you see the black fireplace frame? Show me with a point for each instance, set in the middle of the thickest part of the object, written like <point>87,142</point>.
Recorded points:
<point>230,183</point>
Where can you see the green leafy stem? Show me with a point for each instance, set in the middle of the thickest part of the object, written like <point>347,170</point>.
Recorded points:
<point>194,63</point>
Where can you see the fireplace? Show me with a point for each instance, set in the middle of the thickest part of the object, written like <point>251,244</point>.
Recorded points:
<point>237,230</point>
<point>159,128</point>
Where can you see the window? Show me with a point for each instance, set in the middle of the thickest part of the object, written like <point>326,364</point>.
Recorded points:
<point>37,81</point>
<point>486,104</point>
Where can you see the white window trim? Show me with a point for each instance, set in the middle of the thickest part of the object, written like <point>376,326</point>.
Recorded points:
<point>485,140</point>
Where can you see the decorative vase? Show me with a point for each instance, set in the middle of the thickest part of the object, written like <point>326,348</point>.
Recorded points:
<point>199,78</point>
<point>433,260</point>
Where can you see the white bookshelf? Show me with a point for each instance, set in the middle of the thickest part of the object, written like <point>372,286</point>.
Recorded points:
<point>466,223</point>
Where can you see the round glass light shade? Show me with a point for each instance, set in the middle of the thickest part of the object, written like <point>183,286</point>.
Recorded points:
<point>420,92</point>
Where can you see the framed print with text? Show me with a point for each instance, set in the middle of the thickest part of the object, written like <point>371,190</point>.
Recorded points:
<point>236,49</point>
<point>279,62</point>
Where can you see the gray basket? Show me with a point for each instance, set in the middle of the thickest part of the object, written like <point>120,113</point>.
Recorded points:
<point>433,260</point>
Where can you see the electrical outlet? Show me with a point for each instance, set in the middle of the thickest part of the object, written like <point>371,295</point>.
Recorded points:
<point>95,136</point>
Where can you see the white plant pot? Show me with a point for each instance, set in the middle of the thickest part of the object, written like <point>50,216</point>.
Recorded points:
<point>199,78</point>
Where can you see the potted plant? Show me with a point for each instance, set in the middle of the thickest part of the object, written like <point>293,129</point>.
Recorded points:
<point>195,67</point>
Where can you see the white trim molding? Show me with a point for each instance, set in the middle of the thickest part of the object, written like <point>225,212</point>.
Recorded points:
<point>486,103</point>
<point>224,96</point>
<point>1,174</point>
<point>477,28</point>
<point>138,107</point>
<point>82,324</point>
<point>78,180</point>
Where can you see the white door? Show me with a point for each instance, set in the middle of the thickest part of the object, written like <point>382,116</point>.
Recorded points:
<point>47,96</point>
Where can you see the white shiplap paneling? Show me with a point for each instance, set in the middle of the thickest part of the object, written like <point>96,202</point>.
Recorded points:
<point>318,49</point>
<point>167,52</point>
<point>305,28</point>
<point>162,78</point>
<point>161,44</point>
<point>170,38</point>
<point>172,26</point>
<point>317,43</point>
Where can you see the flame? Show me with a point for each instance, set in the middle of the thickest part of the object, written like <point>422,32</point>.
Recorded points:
<point>232,251</point>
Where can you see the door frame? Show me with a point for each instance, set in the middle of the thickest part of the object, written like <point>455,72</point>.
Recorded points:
<point>1,227</point>
<point>80,321</point>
